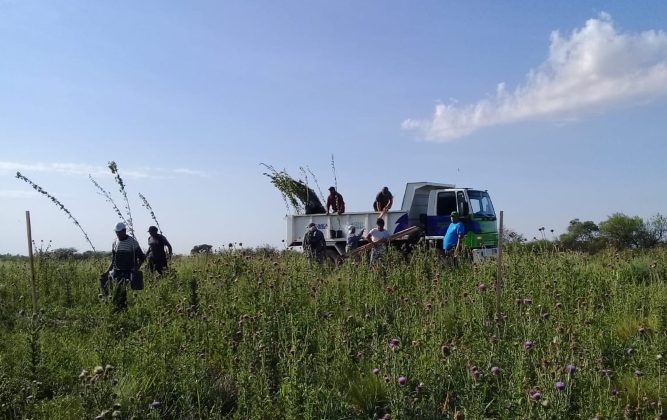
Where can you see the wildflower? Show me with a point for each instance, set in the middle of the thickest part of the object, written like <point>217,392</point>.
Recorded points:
<point>481,287</point>
<point>559,305</point>
<point>402,380</point>
<point>605,371</point>
<point>641,330</point>
<point>386,378</point>
<point>615,392</point>
<point>445,350</point>
<point>528,344</point>
<point>375,371</point>
<point>560,385</point>
<point>527,301</point>
<point>495,371</point>
<point>155,404</point>
<point>394,344</point>
<point>535,394</point>
<point>98,370</point>
<point>638,373</point>
<point>570,369</point>
<point>546,315</point>
<point>630,351</point>
<point>658,357</point>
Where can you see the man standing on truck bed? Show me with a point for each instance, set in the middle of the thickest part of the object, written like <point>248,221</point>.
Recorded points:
<point>335,201</point>
<point>453,239</point>
<point>383,201</point>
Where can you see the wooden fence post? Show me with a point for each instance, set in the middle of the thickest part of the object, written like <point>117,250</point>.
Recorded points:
<point>499,270</point>
<point>32,263</point>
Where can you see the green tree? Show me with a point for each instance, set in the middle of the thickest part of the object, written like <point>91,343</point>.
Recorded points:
<point>201,249</point>
<point>654,231</point>
<point>582,236</point>
<point>623,231</point>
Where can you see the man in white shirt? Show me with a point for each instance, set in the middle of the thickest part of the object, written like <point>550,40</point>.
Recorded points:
<point>376,236</point>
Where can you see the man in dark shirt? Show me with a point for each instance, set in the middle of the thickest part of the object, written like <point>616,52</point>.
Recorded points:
<point>157,258</point>
<point>314,244</point>
<point>335,201</point>
<point>383,201</point>
<point>126,258</point>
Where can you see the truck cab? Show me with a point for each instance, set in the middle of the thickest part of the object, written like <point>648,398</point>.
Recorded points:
<point>476,211</point>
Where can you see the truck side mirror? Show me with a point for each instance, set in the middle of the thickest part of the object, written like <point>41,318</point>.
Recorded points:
<point>465,210</point>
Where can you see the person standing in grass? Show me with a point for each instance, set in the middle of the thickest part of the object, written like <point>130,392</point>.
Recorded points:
<point>353,239</point>
<point>453,239</point>
<point>126,258</point>
<point>376,236</point>
<point>314,244</point>
<point>157,257</point>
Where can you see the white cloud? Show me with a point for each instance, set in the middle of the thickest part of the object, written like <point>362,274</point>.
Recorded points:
<point>17,194</point>
<point>94,170</point>
<point>192,172</point>
<point>593,69</point>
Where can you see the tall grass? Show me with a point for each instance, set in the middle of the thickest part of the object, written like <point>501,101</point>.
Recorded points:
<point>243,335</point>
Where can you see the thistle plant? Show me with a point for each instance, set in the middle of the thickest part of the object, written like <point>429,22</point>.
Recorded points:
<point>113,167</point>
<point>147,205</point>
<point>58,204</point>
<point>317,184</point>
<point>108,197</point>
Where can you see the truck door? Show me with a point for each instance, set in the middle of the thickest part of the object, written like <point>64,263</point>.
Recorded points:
<point>445,204</point>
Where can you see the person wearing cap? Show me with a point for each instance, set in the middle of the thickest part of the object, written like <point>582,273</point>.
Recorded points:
<point>377,237</point>
<point>454,235</point>
<point>157,258</point>
<point>383,201</point>
<point>314,244</point>
<point>335,201</point>
<point>126,257</point>
<point>352,238</point>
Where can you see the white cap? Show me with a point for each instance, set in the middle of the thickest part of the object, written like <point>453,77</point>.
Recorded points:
<point>120,226</point>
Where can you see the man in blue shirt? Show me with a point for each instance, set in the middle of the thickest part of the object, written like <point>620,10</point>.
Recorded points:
<point>454,235</point>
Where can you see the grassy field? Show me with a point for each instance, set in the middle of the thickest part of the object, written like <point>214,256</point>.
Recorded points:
<point>266,335</point>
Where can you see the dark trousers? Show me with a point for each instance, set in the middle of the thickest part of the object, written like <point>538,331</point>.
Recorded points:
<point>157,264</point>
<point>121,279</point>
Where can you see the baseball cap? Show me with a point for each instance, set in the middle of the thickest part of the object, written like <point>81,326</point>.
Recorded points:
<point>311,224</point>
<point>120,227</point>
<point>455,214</point>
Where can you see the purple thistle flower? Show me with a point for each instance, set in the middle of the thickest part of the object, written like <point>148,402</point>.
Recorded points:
<point>630,350</point>
<point>638,373</point>
<point>528,344</point>
<point>402,380</point>
<point>605,371</point>
<point>641,330</point>
<point>535,395</point>
<point>376,371</point>
<point>481,287</point>
<point>560,385</point>
<point>495,371</point>
<point>546,315</point>
<point>155,404</point>
<point>570,369</point>
<point>559,305</point>
<point>393,343</point>
<point>445,350</point>
<point>615,392</point>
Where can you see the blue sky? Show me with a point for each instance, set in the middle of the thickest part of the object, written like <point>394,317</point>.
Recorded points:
<point>557,109</point>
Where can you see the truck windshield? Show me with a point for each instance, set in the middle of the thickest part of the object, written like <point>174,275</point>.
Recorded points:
<point>480,204</point>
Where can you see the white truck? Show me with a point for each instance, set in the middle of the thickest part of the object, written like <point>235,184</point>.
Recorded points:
<point>427,205</point>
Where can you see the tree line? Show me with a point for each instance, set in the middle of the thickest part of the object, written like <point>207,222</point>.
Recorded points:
<point>618,231</point>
